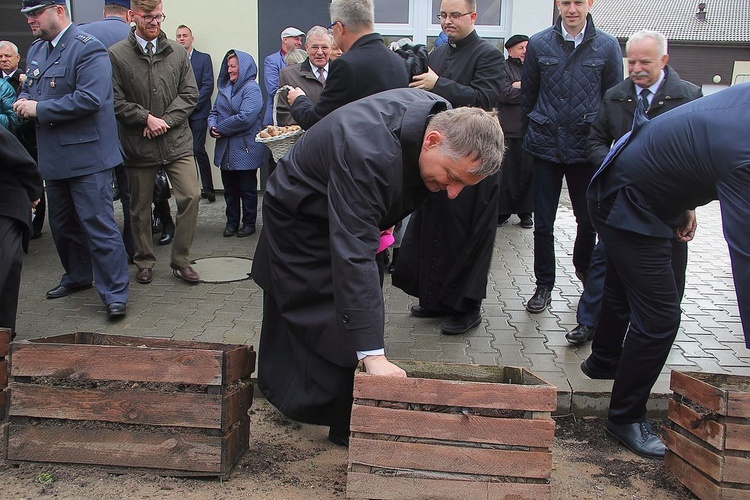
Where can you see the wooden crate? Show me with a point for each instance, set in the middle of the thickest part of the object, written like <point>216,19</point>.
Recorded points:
<point>451,431</point>
<point>708,439</point>
<point>176,408</point>
<point>5,335</point>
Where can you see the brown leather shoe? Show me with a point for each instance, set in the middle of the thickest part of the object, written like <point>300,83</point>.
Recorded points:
<point>186,273</point>
<point>144,275</point>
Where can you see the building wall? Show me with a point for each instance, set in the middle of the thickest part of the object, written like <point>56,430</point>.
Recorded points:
<point>700,63</point>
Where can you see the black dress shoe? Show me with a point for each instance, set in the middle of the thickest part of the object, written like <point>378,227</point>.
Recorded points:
<point>229,231</point>
<point>338,435</point>
<point>421,312</point>
<point>639,438</point>
<point>167,235</point>
<point>596,373</point>
<point>526,221</point>
<point>461,323</point>
<point>116,309</point>
<point>209,195</point>
<point>245,231</point>
<point>580,334</point>
<point>156,225</point>
<point>540,300</point>
<point>63,291</point>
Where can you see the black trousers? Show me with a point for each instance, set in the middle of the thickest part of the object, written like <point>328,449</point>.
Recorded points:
<point>11,234</point>
<point>639,318</point>
<point>199,128</point>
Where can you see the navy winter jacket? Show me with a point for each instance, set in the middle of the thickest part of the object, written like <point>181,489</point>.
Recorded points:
<point>237,116</point>
<point>563,88</point>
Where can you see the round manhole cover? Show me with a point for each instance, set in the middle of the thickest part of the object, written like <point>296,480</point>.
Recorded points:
<point>223,269</point>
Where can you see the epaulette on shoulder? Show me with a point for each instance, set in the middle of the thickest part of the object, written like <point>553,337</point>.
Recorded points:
<point>84,37</point>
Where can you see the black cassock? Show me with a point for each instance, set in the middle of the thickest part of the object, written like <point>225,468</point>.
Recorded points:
<point>353,174</point>
<point>447,250</point>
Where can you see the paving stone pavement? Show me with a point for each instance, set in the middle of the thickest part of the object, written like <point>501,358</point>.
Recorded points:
<point>710,337</point>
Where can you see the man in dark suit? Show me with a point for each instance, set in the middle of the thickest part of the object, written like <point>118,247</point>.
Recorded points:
<point>647,64</point>
<point>640,199</point>
<point>68,91</point>
<point>367,66</point>
<point>204,77</point>
<point>20,189</point>
<point>9,59</point>
<point>310,75</point>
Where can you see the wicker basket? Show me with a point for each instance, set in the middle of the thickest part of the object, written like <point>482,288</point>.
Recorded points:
<point>280,144</point>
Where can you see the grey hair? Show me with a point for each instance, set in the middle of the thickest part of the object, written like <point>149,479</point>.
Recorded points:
<point>5,43</point>
<point>295,57</point>
<point>318,31</point>
<point>357,15</point>
<point>639,36</point>
<point>473,133</point>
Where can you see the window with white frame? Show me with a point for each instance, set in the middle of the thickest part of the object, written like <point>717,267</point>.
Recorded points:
<point>417,19</point>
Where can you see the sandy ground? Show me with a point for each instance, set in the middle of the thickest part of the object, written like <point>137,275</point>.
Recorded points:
<point>288,460</point>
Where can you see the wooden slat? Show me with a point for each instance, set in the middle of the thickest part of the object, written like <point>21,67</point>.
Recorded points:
<point>710,431</point>
<point>3,374</point>
<point>700,485</point>
<point>454,427</point>
<point>453,459</point>
<point>685,384</point>
<point>239,363</point>
<point>236,443</point>
<point>372,486</point>
<point>190,452</point>
<point>92,338</point>
<point>456,393</point>
<point>738,404</point>
<point>699,457</point>
<point>736,470</point>
<point>738,436</point>
<point>122,406</point>
<point>236,405</point>
<point>5,335</point>
<point>94,362</point>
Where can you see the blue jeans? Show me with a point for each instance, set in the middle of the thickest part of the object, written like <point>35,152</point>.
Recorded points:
<point>547,182</point>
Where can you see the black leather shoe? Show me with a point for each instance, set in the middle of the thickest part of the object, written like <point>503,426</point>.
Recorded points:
<point>639,438</point>
<point>461,323</point>
<point>209,195</point>
<point>156,225</point>
<point>421,312</point>
<point>167,235</point>
<point>526,221</point>
<point>116,309</point>
<point>245,231</point>
<point>229,231</point>
<point>580,334</point>
<point>339,436</point>
<point>540,300</point>
<point>502,219</point>
<point>63,291</point>
<point>595,373</point>
<point>392,266</point>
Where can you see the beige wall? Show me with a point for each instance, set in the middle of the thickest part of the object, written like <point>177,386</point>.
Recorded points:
<point>217,27</point>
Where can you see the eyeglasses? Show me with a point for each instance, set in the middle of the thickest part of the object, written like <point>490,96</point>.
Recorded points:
<point>453,15</point>
<point>150,19</point>
<point>330,26</point>
<point>316,48</point>
<point>38,12</point>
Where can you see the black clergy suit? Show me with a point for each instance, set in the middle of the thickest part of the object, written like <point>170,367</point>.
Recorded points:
<point>682,159</point>
<point>446,253</point>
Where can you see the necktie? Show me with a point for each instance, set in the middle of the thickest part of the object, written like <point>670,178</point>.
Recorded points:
<point>321,78</point>
<point>50,48</point>
<point>150,49</point>
<point>643,99</point>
